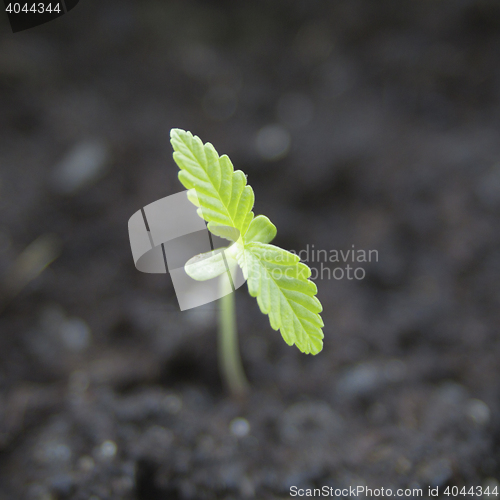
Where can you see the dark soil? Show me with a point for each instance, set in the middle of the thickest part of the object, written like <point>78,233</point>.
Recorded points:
<point>108,391</point>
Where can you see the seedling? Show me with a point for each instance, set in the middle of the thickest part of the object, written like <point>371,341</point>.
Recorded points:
<point>274,276</point>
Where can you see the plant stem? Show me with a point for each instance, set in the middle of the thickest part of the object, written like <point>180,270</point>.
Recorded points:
<point>230,364</point>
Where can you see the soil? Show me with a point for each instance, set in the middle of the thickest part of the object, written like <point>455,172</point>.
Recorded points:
<point>361,125</point>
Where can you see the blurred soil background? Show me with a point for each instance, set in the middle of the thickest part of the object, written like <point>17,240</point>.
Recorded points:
<point>373,124</point>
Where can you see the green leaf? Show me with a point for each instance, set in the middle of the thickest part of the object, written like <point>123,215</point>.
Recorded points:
<point>261,229</point>
<point>209,265</point>
<point>226,232</point>
<point>280,283</point>
<point>274,276</point>
<point>220,192</point>
<point>206,266</point>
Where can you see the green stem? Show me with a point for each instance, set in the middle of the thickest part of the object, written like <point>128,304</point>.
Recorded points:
<point>230,364</point>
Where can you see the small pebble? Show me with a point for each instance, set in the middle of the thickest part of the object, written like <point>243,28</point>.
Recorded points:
<point>273,142</point>
<point>359,380</point>
<point>53,452</point>
<point>75,334</point>
<point>82,166</point>
<point>478,411</point>
<point>451,393</point>
<point>86,463</point>
<point>108,449</point>
<point>239,427</point>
